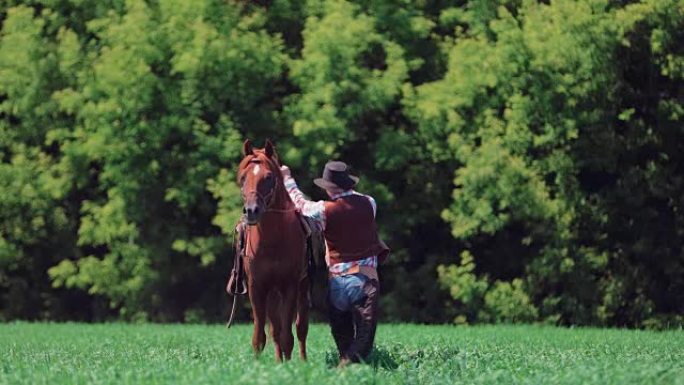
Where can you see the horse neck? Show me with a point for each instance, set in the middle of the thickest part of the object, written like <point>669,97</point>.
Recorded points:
<point>281,212</point>
<point>281,199</point>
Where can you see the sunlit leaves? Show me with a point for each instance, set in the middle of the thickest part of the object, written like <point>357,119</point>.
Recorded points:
<point>348,70</point>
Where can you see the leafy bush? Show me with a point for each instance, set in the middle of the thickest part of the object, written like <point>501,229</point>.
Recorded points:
<point>481,301</point>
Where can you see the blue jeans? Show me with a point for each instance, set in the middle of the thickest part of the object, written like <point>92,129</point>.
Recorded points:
<point>346,290</point>
<point>353,314</point>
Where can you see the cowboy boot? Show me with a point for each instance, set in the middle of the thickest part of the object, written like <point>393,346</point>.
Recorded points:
<point>342,328</point>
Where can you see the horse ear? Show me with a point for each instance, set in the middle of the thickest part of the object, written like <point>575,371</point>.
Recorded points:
<point>247,148</point>
<point>269,148</point>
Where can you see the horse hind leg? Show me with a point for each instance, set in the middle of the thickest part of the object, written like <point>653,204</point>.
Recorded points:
<point>302,323</point>
<point>273,306</point>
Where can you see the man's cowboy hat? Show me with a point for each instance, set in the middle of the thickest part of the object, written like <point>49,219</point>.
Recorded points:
<point>336,177</point>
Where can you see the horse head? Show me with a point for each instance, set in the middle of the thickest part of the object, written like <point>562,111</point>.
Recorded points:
<point>259,177</point>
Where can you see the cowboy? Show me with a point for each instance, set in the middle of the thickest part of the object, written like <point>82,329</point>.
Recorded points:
<point>353,250</point>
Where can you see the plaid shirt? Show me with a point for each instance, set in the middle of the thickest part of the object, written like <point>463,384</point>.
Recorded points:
<point>316,210</point>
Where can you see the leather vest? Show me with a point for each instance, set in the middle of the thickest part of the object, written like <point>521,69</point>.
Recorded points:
<point>350,230</point>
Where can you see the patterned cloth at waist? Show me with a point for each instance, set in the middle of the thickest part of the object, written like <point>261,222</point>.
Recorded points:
<point>367,266</point>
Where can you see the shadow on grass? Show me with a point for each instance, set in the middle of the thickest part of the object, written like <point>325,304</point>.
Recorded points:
<point>380,358</point>
<point>393,356</point>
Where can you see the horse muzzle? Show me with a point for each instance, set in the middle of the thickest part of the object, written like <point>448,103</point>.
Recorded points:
<point>252,213</point>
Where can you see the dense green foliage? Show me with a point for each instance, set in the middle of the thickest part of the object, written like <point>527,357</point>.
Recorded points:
<point>405,354</point>
<point>527,156</point>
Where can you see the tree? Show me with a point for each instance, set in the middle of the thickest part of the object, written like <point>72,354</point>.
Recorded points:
<point>532,109</point>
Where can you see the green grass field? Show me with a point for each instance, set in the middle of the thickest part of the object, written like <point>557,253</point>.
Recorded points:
<point>406,354</point>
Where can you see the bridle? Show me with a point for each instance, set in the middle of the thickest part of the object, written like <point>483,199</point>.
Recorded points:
<point>266,199</point>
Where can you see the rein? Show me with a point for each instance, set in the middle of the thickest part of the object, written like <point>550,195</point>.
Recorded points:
<point>243,246</point>
<point>236,283</point>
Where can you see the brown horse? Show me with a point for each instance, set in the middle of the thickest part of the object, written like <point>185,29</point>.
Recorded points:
<point>274,257</point>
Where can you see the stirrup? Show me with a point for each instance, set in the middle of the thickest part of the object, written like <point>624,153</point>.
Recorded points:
<point>235,286</point>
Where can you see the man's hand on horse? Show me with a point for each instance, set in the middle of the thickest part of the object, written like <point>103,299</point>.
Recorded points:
<point>285,171</point>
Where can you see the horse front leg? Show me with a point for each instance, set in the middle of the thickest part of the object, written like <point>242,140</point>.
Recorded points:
<point>257,296</point>
<point>288,306</point>
<point>273,310</point>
